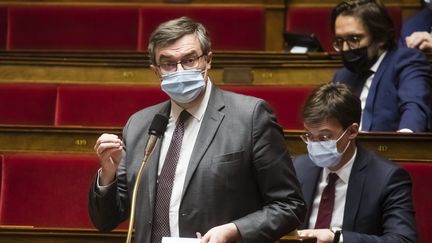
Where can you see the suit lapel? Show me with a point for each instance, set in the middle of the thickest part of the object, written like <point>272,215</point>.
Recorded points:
<point>370,101</point>
<point>309,191</point>
<point>210,124</point>
<point>355,189</point>
<point>151,168</point>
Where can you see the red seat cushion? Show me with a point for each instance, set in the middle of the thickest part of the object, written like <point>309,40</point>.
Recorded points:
<point>231,28</point>
<point>286,101</point>
<point>73,28</point>
<point>46,190</point>
<point>27,104</point>
<point>103,105</point>
<point>421,175</point>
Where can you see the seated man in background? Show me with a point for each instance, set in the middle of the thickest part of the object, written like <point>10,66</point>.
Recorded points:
<point>394,84</point>
<point>416,31</point>
<point>350,192</point>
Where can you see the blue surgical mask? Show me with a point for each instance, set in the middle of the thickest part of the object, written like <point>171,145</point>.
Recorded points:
<point>183,86</point>
<point>325,153</point>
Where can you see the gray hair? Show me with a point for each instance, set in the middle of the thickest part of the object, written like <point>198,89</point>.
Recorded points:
<point>169,32</point>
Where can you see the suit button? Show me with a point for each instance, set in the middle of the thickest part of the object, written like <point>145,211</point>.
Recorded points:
<point>184,214</point>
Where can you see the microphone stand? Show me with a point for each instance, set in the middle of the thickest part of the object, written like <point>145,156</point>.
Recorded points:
<point>135,190</point>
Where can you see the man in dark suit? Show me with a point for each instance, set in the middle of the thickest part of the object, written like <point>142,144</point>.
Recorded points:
<point>416,31</point>
<point>370,200</point>
<point>234,179</point>
<point>394,84</point>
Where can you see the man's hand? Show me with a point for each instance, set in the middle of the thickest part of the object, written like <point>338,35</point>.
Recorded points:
<point>322,235</point>
<point>421,40</point>
<point>108,148</point>
<point>221,234</point>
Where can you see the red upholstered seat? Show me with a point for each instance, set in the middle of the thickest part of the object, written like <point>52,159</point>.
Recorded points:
<point>3,27</point>
<point>421,175</point>
<point>287,101</point>
<point>73,28</point>
<point>231,28</point>
<point>103,105</point>
<point>46,190</point>
<point>317,20</point>
<point>27,104</point>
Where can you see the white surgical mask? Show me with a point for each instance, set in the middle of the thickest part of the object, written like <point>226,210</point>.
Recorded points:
<point>325,153</point>
<point>183,86</point>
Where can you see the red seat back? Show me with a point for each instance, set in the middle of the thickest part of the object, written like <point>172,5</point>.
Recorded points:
<point>46,190</point>
<point>421,175</point>
<point>103,105</point>
<point>3,27</point>
<point>317,20</point>
<point>73,28</point>
<point>27,104</point>
<point>231,28</point>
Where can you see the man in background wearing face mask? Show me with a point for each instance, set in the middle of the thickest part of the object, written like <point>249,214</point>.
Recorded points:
<point>417,31</point>
<point>394,84</point>
<point>233,179</point>
<point>352,194</point>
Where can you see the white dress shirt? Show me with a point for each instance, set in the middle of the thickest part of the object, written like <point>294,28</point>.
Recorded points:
<point>340,194</point>
<point>365,91</point>
<point>192,127</point>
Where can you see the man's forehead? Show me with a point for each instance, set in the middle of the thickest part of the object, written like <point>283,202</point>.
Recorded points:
<point>327,125</point>
<point>186,45</point>
<point>349,25</point>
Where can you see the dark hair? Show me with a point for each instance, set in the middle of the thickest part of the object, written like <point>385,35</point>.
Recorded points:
<point>374,16</point>
<point>169,32</point>
<point>332,101</point>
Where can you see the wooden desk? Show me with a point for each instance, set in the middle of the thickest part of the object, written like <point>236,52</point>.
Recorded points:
<point>58,235</point>
<point>22,234</point>
<point>394,146</point>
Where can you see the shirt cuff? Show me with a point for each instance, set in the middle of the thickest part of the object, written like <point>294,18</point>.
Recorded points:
<point>102,189</point>
<point>405,130</point>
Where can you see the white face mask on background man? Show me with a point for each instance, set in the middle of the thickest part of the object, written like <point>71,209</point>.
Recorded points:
<point>325,153</point>
<point>183,86</point>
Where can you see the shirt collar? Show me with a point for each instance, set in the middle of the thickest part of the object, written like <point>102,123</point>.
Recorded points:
<point>345,171</point>
<point>374,68</point>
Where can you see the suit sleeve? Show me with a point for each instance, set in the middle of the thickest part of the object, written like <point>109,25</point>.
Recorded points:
<point>414,90</point>
<point>109,209</point>
<point>283,205</point>
<point>398,222</point>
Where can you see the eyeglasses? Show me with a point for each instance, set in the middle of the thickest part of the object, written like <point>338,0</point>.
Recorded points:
<point>308,137</point>
<point>187,64</point>
<point>353,42</point>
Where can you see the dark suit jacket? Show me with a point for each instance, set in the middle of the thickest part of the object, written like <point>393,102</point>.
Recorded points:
<point>378,206</point>
<point>400,93</point>
<point>422,21</point>
<point>240,171</point>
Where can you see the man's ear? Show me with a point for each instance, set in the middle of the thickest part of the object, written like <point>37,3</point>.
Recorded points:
<point>209,59</point>
<point>155,70</point>
<point>354,131</point>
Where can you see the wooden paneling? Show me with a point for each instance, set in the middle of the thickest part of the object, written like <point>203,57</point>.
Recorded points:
<point>395,146</point>
<point>133,68</point>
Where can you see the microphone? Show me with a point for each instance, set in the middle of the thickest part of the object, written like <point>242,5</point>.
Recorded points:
<point>157,128</point>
